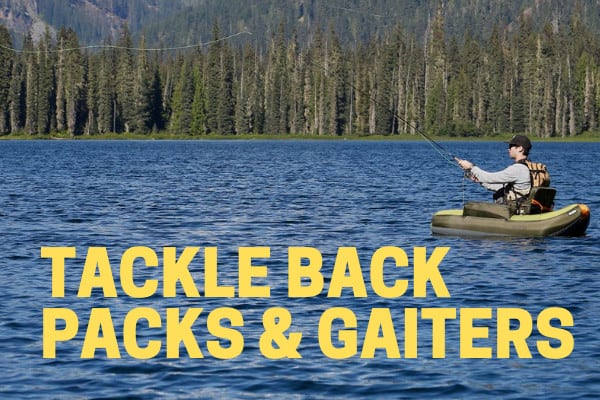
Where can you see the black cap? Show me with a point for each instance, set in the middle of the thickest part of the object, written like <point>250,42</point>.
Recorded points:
<point>521,140</point>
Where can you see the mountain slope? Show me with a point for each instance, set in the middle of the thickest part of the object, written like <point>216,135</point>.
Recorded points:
<point>184,22</point>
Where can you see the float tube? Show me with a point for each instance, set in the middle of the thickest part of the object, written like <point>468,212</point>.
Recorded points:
<point>489,219</point>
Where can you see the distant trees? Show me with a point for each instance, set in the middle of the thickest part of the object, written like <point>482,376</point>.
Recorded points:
<point>6,70</point>
<point>70,77</point>
<point>544,82</point>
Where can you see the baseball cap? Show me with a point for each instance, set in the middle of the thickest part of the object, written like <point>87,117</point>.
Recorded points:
<point>521,140</point>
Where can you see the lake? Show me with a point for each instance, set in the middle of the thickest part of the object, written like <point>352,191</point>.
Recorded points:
<point>324,195</point>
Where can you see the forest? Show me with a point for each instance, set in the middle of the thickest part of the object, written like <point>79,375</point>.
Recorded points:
<point>542,80</point>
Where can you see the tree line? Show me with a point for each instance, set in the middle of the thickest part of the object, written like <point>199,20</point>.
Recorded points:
<point>542,82</point>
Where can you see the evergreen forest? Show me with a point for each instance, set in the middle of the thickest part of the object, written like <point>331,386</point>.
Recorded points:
<point>542,80</point>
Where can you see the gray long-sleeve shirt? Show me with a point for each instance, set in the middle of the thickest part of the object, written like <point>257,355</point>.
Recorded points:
<point>517,174</point>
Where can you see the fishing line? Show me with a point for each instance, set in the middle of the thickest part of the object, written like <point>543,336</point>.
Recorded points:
<point>385,15</point>
<point>356,11</point>
<point>116,47</point>
<point>441,150</point>
<point>437,147</point>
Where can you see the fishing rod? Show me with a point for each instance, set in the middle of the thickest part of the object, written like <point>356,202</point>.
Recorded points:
<point>441,150</point>
<point>450,157</point>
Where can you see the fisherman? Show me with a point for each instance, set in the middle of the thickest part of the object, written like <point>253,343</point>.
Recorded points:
<point>512,183</point>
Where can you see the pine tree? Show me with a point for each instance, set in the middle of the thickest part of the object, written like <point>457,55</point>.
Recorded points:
<point>276,88</point>
<point>45,101</point>
<point>183,97</point>
<point>92,98</point>
<point>124,89</point>
<point>361,94</point>
<point>75,84</point>
<point>296,67</point>
<point>399,50</point>
<point>497,93</point>
<point>226,98</point>
<point>549,81</point>
<point>584,71</point>
<point>477,71</point>
<point>140,118</point>
<point>213,82</point>
<point>198,126</point>
<point>337,83</point>
<point>61,65</point>
<point>385,102</point>
<point>314,87</point>
<point>435,74</point>
<point>522,67</point>
<point>247,90</point>
<point>70,75</point>
<point>155,101</point>
<point>257,106</point>
<point>6,67</point>
<point>560,110</point>
<point>16,106</point>
<point>457,101</point>
<point>31,86</point>
<point>106,97</point>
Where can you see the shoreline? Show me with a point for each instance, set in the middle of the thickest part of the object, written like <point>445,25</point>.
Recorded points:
<point>586,137</point>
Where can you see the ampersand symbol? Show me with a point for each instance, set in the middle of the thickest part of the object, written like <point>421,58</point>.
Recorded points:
<point>273,343</point>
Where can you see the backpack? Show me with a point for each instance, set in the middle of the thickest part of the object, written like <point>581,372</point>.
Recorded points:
<point>538,173</point>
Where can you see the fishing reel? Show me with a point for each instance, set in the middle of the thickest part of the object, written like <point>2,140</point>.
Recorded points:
<point>469,175</point>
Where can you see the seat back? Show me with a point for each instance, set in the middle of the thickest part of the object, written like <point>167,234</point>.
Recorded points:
<point>541,200</point>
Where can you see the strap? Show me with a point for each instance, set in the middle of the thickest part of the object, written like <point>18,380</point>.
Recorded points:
<point>541,206</point>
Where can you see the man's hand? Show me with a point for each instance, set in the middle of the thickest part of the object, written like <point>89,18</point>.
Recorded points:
<point>464,164</point>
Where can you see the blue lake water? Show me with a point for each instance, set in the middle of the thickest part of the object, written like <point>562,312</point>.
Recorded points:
<point>321,194</point>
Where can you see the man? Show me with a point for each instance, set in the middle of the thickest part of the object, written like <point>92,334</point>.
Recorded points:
<point>513,182</point>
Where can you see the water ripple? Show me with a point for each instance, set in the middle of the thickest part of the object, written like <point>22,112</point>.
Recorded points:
<point>278,194</point>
